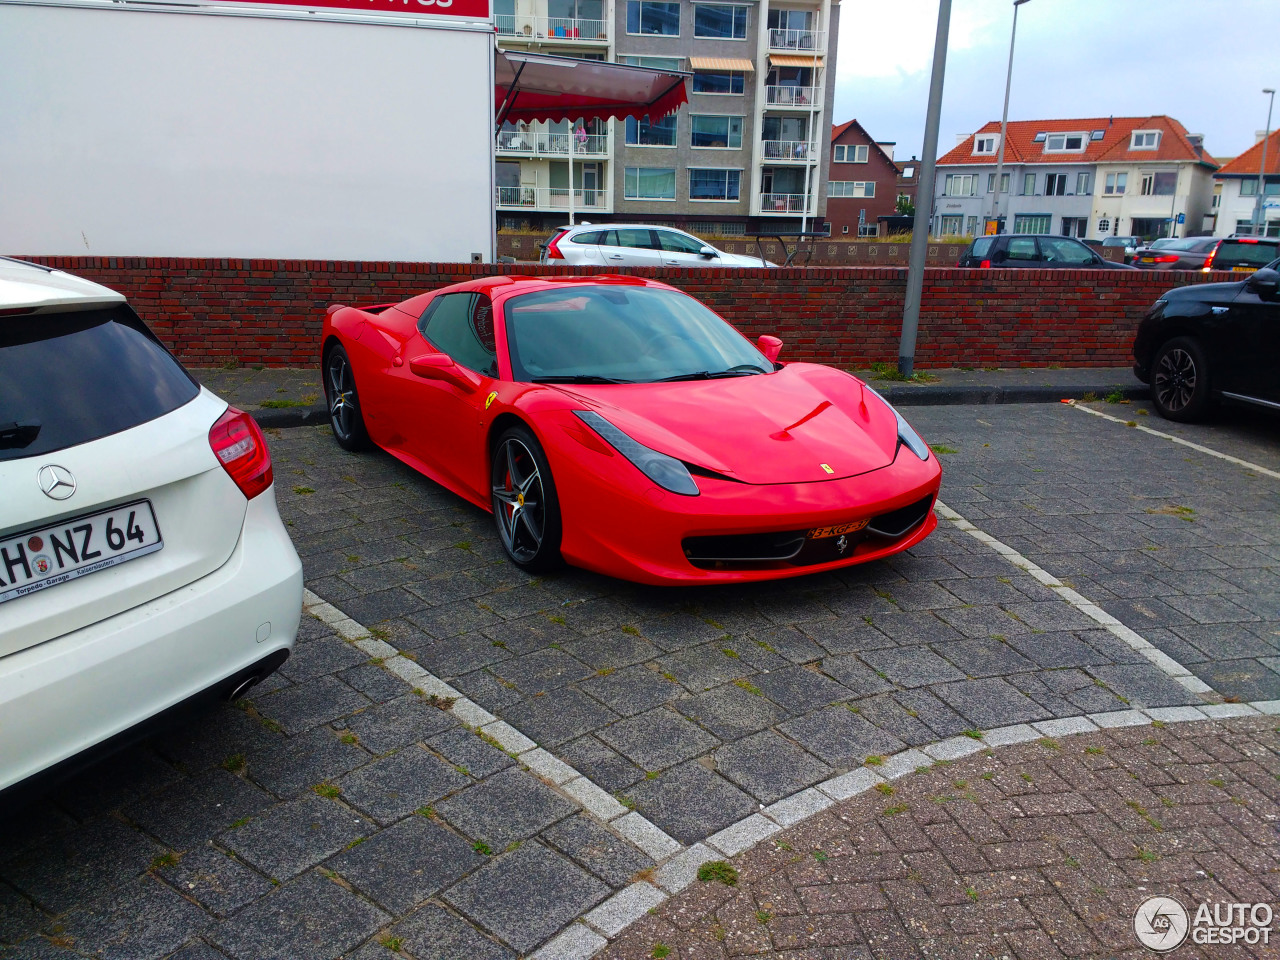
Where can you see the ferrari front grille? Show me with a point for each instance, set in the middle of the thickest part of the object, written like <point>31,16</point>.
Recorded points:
<point>897,522</point>
<point>743,547</point>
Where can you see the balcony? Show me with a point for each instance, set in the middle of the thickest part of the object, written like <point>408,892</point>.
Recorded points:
<point>800,98</point>
<point>807,41</point>
<point>518,29</point>
<point>773,204</point>
<point>542,143</point>
<point>553,198</point>
<point>798,150</point>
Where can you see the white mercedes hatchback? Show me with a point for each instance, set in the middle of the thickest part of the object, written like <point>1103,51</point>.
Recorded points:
<point>142,559</point>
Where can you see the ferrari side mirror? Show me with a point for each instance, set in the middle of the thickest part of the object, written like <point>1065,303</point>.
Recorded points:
<point>440,366</point>
<point>770,347</point>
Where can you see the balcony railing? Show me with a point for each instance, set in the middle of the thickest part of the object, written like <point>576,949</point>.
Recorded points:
<point>788,150</point>
<point>551,29</point>
<point>783,203</point>
<point>541,143</point>
<point>790,96</point>
<point>551,198</point>
<point>805,40</point>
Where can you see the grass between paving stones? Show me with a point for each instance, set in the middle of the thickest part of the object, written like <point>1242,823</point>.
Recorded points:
<point>718,871</point>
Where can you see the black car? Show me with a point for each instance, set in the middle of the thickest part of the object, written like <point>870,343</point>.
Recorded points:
<point>1212,341</point>
<point>1033,250</point>
<point>1243,254</point>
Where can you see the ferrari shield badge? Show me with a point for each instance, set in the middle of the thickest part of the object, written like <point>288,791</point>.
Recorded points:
<point>826,467</point>
<point>490,398</point>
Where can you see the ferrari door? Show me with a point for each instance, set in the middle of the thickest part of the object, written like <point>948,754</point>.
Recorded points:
<point>443,399</point>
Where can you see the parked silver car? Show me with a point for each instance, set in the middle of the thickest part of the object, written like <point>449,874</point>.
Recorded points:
<point>638,245</point>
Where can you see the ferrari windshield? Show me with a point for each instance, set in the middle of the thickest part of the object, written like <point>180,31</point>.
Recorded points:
<point>617,334</point>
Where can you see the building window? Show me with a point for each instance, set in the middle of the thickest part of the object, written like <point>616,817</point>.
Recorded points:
<point>1064,143</point>
<point>1115,183</point>
<point>1104,225</point>
<point>1004,182</point>
<point>845,228</point>
<point>952,224</point>
<point>658,63</point>
<point>719,21</point>
<point>1217,201</point>
<point>971,227</point>
<point>1075,226</point>
<point>1031,223</point>
<point>850,153</point>
<point>1082,184</point>
<point>851,188</point>
<point>961,185</point>
<point>1248,188</point>
<point>1145,140</point>
<point>1159,184</point>
<point>641,132</point>
<point>722,132</point>
<point>717,82</point>
<point>649,183</point>
<point>908,173</point>
<point>653,18</point>
<point>1055,185</point>
<point>1029,184</point>
<point>868,229</point>
<point>984,144</point>
<point>714,184</point>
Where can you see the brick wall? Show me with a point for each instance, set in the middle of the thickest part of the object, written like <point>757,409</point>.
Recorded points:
<point>211,312</point>
<point>827,252</point>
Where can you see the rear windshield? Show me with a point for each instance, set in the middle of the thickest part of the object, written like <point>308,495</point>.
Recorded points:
<point>68,378</point>
<point>1245,253</point>
<point>982,247</point>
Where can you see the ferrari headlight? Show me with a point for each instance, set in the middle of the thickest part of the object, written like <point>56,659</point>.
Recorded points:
<point>906,435</point>
<point>667,472</point>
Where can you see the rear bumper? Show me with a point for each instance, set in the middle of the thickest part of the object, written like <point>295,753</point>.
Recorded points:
<point>79,690</point>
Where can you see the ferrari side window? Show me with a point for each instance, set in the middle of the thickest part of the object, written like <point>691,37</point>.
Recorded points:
<point>461,325</point>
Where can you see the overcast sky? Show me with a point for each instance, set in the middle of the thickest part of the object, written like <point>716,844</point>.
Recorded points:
<point>1204,64</point>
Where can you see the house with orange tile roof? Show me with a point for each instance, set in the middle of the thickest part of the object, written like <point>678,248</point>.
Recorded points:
<point>1087,178</point>
<point>1237,182</point>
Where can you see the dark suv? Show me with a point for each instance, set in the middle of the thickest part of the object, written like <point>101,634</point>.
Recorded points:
<point>1243,254</point>
<point>1034,250</point>
<point>1212,341</point>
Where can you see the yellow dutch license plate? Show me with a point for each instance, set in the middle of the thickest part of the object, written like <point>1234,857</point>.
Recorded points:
<point>1146,259</point>
<point>1244,269</point>
<point>821,533</point>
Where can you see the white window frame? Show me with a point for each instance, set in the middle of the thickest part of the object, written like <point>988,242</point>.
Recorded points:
<point>1031,178</point>
<point>1004,182</point>
<point>731,74</point>
<point>868,230</point>
<point>1082,183</point>
<point>908,173</point>
<point>851,188</point>
<point>1038,217</point>
<point>660,36</point>
<point>728,132</point>
<point>960,180</point>
<point>738,170</point>
<point>1138,140</point>
<point>1061,142</point>
<point>675,185</point>
<point>841,153</point>
<point>985,144</point>
<point>675,135</point>
<point>746,27</point>
<point>1115,184</point>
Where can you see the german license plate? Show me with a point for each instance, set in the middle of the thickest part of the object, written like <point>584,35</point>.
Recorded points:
<point>821,533</point>
<point>47,556</point>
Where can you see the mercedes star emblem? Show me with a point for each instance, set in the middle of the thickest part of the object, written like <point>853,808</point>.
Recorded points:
<point>56,482</point>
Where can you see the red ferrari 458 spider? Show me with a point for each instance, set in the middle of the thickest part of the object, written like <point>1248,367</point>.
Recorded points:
<point>621,425</point>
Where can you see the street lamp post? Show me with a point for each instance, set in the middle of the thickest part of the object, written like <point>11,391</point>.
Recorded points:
<point>1259,214</point>
<point>1004,118</point>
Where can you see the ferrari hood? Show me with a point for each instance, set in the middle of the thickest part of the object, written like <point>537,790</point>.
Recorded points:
<point>803,423</point>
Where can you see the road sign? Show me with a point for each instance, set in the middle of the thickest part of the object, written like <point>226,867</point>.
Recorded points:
<point>1182,218</point>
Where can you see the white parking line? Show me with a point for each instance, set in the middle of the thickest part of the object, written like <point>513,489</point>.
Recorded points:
<point>1186,443</point>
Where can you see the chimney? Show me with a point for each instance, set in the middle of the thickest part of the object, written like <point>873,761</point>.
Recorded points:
<point>887,147</point>
<point>962,137</point>
<point>1258,136</point>
<point>1197,142</point>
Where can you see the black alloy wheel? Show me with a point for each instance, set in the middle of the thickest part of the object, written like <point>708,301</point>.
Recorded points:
<point>344,404</point>
<point>525,507</point>
<point>1180,381</point>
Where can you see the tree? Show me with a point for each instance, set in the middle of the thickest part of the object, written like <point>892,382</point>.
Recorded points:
<point>905,207</point>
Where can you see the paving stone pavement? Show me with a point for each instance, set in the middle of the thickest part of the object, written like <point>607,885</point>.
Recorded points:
<point>337,809</point>
<point>1033,852</point>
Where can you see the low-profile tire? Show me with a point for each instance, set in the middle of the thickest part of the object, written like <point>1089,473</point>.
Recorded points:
<point>345,415</point>
<point>1180,380</point>
<point>525,508</point>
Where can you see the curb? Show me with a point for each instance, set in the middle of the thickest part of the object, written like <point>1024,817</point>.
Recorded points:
<point>908,395</point>
<point>291,417</point>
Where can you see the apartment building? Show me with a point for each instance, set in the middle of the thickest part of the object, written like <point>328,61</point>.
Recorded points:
<point>1237,191</point>
<point>1090,178</point>
<point>749,151</point>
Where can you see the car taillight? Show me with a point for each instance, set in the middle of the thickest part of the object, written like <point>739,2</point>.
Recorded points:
<point>1166,259</point>
<point>985,265</point>
<point>242,450</point>
<point>1208,261</point>
<point>553,252</point>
